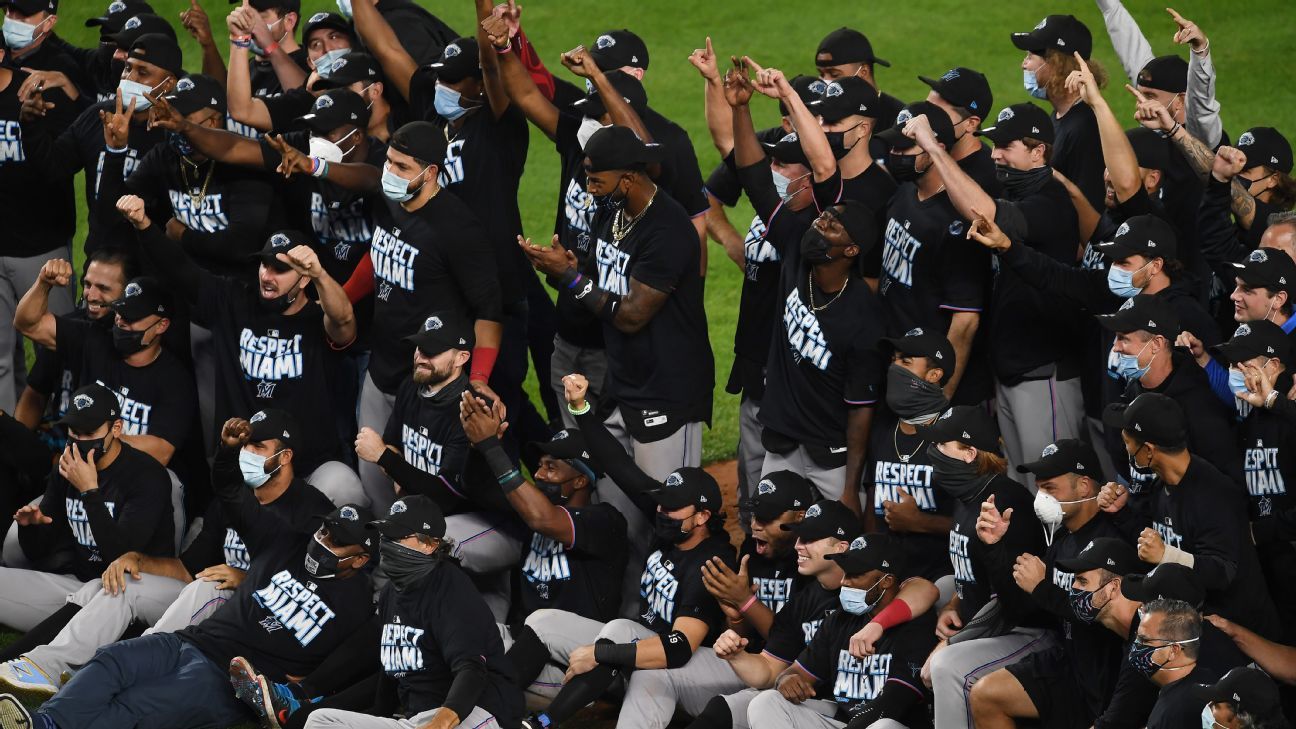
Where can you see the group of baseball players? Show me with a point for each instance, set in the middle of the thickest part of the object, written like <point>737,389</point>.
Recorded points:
<point>277,463</point>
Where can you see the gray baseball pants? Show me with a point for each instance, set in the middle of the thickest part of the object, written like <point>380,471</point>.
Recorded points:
<point>375,409</point>
<point>563,632</point>
<point>1035,413</point>
<point>567,358</point>
<point>653,695</point>
<point>17,276</point>
<point>831,482</point>
<point>27,596</point>
<point>751,455</point>
<point>955,668</point>
<point>770,710</point>
<point>478,718</point>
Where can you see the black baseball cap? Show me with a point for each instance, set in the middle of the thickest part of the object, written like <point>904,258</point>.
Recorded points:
<point>346,526</point>
<point>845,97</point>
<point>1168,581</point>
<point>1264,268</point>
<point>458,61</point>
<point>354,67</point>
<point>280,242</point>
<point>1152,418</point>
<point>421,140</point>
<point>968,424</point>
<point>930,344</point>
<point>1249,690</point>
<point>566,445</point>
<point>1018,122</point>
<point>440,332</point>
<point>273,424</point>
<point>870,552</point>
<point>778,492</point>
<point>90,407</point>
<point>285,6</point>
<point>1063,33</point>
<point>846,45</point>
<point>138,25</point>
<point>117,13</point>
<point>334,108</point>
<point>1254,339</point>
<point>940,122</point>
<point>143,296</point>
<point>619,148</point>
<point>1266,146</point>
<point>807,87</point>
<point>194,92</point>
<point>824,519</point>
<point>327,20</point>
<point>160,50</point>
<point>963,87</point>
<point>859,221</point>
<point>689,486</point>
<point>1165,73</point>
<point>29,7</point>
<point>1069,455</point>
<point>1146,313</point>
<point>788,150</point>
<point>1150,149</point>
<point>1108,553</point>
<point>1144,235</point>
<point>628,86</point>
<point>617,49</point>
<point>417,514</point>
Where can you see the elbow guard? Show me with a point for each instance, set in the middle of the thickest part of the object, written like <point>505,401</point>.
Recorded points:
<point>677,649</point>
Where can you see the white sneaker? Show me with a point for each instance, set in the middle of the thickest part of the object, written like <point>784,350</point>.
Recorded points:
<point>13,715</point>
<point>26,680</point>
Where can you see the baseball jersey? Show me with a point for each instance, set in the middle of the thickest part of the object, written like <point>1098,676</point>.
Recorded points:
<point>899,462</point>
<point>583,577</point>
<point>671,587</point>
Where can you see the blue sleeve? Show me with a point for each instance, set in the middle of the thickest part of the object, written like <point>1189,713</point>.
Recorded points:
<point>1218,376</point>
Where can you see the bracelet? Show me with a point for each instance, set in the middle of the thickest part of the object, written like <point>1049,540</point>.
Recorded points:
<point>117,150</point>
<point>319,167</point>
<point>581,411</point>
<point>1270,399</point>
<point>747,605</point>
<point>1205,50</point>
<point>505,48</point>
<point>270,49</point>
<point>242,41</point>
<point>575,282</point>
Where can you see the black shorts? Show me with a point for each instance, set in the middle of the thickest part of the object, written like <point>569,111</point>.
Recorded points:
<point>1051,684</point>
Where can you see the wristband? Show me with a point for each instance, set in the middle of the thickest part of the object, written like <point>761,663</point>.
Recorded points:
<point>569,278</point>
<point>610,304</point>
<point>620,655</point>
<point>506,474</point>
<point>747,605</point>
<point>117,150</point>
<point>504,48</point>
<point>582,411</point>
<point>242,41</point>
<point>319,167</point>
<point>1271,399</point>
<point>483,363</point>
<point>269,50</point>
<point>896,613</point>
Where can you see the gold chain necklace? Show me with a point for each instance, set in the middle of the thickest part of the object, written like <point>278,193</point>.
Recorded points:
<point>197,199</point>
<point>895,442</point>
<point>622,227</point>
<point>830,302</point>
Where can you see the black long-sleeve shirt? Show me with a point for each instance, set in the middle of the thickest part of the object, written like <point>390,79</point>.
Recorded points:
<point>984,571</point>
<point>39,212</point>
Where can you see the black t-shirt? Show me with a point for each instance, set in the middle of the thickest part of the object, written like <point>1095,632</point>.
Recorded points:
<point>342,220</point>
<point>980,167</point>
<point>799,620</point>
<point>583,577</point>
<point>671,587</point>
<point>929,270</point>
<point>1180,703</point>
<point>723,184</point>
<point>437,628</point>
<point>434,259</point>
<point>774,580</point>
<point>268,360</point>
<point>874,187</point>
<point>680,175</point>
<point>898,657</point>
<point>667,365</point>
<point>1077,152</point>
<point>131,511</point>
<point>282,618</point>
<point>899,462</point>
<point>55,375</point>
<point>427,432</point>
<point>298,509</point>
<point>1269,461</point>
<point>39,211</point>
<point>157,399</point>
<point>982,572</point>
<point>575,228</point>
<point>423,35</point>
<point>265,82</point>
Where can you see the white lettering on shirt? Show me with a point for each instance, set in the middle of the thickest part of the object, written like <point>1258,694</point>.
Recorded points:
<point>294,607</point>
<point>804,335</point>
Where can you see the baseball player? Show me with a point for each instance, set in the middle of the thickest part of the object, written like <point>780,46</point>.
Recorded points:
<point>827,685</point>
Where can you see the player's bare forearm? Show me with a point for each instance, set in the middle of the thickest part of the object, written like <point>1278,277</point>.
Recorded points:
<point>963,326</point>
<point>1242,204</point>
<point>932,524</point>
<point>757,670</point>
<point>858,423</point>
<point>160,449</point>
<point>1199,156</point>
<point>170,567</point>
<point>919,594</point>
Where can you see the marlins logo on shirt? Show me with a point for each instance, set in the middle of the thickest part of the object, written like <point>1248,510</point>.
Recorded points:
<point>207,215</point>
<point>578,206</point>
<point>293,607</point>
<point>269,357</point>
<point>236,552</point>
<point>804,335</point>
<point>756,249</point>
<point>890,478</point>
<point>545,562</point>
<point>422,452</point>
<point>453,171</point>
<point>340,227</point>
<point>134,414</point>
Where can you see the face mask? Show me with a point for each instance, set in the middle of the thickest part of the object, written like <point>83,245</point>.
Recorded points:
<point>855,601</point>
<point>1050,513</point>
<point>610,202</point>
<point>18,35</point>
<point>180,143</point>
<point>329,150</point>
<point>446,103</point>
<point>344,7</point>
<point>126,342</point>
<point>134,91</point>
<point>280,303</point>
<point>956,477</point>
<point>587,128</point>
<point>321,563</point>
<point>1237,383</point>
<point>91,444</point>
<point>1141,470</point>
<point>815,248</point>
<point>1127,365</point>
<point>1032,85</point>
<point>1019,184</point>
<point>1208,718</point>
<point>1121,282</point>
<point>781,185</point>
<point>553,491</point>
<point>396,187</point>
<point>253,468</point>
<point>258,50</point>
<point>1140,657</point>
<point>669,530</point>
<point>1082,605</point>
<point>911,398</point>
<point>324,65</point>
<point>904,167</point>
<point>837,142</point>
<point>404,566</point>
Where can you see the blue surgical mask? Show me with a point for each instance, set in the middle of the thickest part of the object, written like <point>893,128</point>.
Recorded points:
<point>134,90</point>
<point>18,35</point>
<point>855,601</point>
<point>1237,382</point>
<point>344,7</point>
<point>446,103</point>
<point>1121,282</point>
<point>781,185</point>
<point>396,187</point>
<point>1127,366</point>
<point>1032,85</point>
<point>253,468</point>
<point>325,63</point>
<point>1208,718</point>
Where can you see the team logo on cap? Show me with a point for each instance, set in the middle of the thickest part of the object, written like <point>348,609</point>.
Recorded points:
<point>1049,450</point>
<point>1242,331</point>
<point>790,138</point>
<point>604,41</point>
<point>1129,304</point>
<point>452,50</point>
<point>916,332</point>
<point>1246,140</point>
<point>950,75</point>
<point>1122,230</point>
<point>279,240</point>
<point>133,289</point>
<point>184,84</point>
<point>431,323</point>
<point>947,414</point>
<point>1005,115</point>
<point>258,417</point>
<point>1258,256</point>
<point>902,118</point>
<point>818,86</point>
<point>813,511</point>
<point>349,513</point>
<point>82,401</point>
<point>560,435</point>
<point>1042,23</point>
<point>338,64</point>
<point>674,479</point>
<point>766,486</point>
<point>318,17</point>
<point>859,543</point>
<point>397,507</point>
<point>116,7</point>
<point>134,23</point>
<point>324,102</point>
<point>834,89</point>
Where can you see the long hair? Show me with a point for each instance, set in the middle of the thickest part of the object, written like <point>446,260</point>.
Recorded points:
<point>990,463</point>
<point>1062,64</point>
